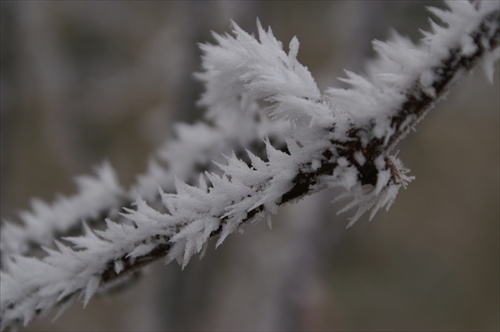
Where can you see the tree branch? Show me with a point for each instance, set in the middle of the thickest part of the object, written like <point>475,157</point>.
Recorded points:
<point>340,139</point>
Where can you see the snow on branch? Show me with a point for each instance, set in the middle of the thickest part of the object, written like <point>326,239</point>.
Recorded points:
<point>96,196</point>
<point>341,138</point>
<point>195,147</point>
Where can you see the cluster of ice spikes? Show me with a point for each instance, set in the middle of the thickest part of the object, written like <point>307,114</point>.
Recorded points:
<point>341,138</point>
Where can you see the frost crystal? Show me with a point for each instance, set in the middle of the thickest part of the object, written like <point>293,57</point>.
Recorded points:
<point>341,138</point>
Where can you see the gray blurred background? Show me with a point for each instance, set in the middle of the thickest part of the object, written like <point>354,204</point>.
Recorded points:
<point>83,82</point>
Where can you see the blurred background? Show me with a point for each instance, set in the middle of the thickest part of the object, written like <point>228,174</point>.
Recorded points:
<point>83,82</point>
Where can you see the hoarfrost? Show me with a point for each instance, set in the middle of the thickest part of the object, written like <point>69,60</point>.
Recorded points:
<point>341,138</point>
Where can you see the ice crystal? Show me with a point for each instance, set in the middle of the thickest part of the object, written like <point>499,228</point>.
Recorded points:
<point>340,138</point>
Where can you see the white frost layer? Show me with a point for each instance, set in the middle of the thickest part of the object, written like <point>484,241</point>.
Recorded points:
<point>401,62</point>
<point>96,195</point>
<point>242,191</point>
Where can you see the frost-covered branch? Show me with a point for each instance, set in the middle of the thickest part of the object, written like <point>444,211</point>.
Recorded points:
<point>100,197</point>
<point>341,138</point>
<point>97,196</point>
